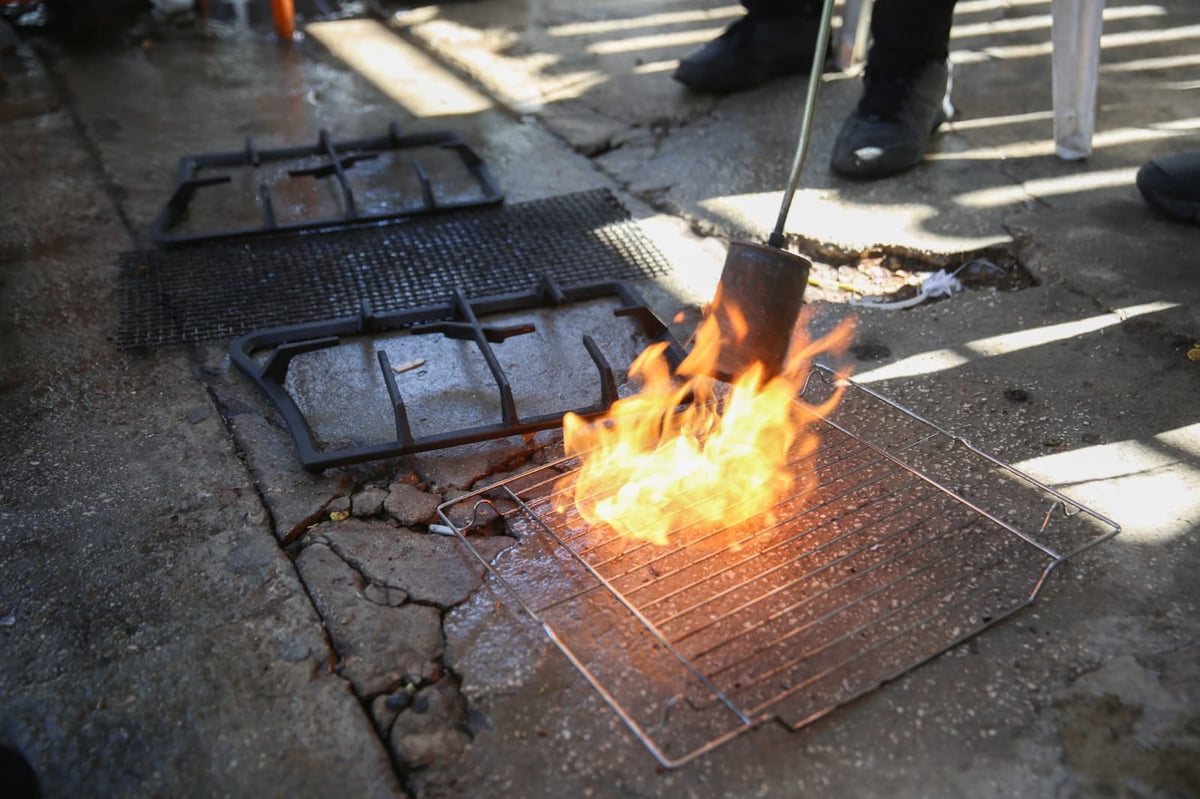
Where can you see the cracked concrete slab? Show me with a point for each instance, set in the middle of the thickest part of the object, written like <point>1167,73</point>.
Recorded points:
<point>379,647</point>
<point>429,568</point>
<point>218,698</point>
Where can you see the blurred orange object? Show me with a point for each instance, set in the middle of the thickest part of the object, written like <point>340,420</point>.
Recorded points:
<point>284,12</point>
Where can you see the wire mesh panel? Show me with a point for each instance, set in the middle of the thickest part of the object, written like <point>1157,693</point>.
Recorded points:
<point>899,541</point>
<point>224,289</point>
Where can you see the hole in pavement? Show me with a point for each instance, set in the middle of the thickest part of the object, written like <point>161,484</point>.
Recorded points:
<point>896,273</point>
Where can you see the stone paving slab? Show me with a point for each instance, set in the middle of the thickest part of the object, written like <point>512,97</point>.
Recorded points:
<point>228,713</point>
<point>156,640</point>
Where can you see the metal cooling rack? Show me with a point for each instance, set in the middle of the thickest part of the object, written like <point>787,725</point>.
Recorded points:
<point>901,541</point>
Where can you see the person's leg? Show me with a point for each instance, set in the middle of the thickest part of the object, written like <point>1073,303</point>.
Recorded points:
<point>1171,185</point>
<point>774,38</point>
<point>905,90</point>
<point>908,33</point>
<point>774,8</point>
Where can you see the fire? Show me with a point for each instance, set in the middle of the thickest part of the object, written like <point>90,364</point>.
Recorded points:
<point>689,452</point>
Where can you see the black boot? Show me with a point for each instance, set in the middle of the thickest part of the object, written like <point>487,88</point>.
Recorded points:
<point>1172,185</point>
<point>751,52</point>
<point>17,778</point>
<point>889,130</point>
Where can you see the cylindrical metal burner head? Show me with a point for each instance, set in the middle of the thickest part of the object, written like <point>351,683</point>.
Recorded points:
<point>766,284</point>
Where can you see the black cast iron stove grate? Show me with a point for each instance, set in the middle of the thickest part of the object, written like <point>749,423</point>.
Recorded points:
<point>253,192</point>
<point>220,290</point>
<point>900,542</point>
<point>266,357</point>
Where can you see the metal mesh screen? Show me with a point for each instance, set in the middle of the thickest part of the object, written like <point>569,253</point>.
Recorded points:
<point>220,290</point>
<point>899,542</point>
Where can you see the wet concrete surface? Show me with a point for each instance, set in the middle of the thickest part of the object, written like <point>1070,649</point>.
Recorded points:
<point>185,611</point>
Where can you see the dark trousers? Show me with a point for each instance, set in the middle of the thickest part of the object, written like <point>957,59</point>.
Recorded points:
<point>904,33</point>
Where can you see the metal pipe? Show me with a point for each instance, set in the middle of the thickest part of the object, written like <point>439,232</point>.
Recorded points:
<point>806,122</point>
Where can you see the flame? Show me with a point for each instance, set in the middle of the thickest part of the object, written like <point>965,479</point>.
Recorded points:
<point>689,452</point>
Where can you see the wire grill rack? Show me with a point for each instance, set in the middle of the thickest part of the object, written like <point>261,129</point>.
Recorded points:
<point>900,542</point>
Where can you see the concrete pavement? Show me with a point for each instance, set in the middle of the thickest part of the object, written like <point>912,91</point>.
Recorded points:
<point>186,612</point>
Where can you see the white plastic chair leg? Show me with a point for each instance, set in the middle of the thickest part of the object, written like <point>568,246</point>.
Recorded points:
<point>850,50</point>
<point>1075,65</point>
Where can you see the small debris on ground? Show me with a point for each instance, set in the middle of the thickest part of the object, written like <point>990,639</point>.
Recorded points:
<point>408,366</point>
<point>898,277</point>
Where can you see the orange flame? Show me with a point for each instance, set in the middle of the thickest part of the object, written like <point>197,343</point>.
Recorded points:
<point>692,453</point>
